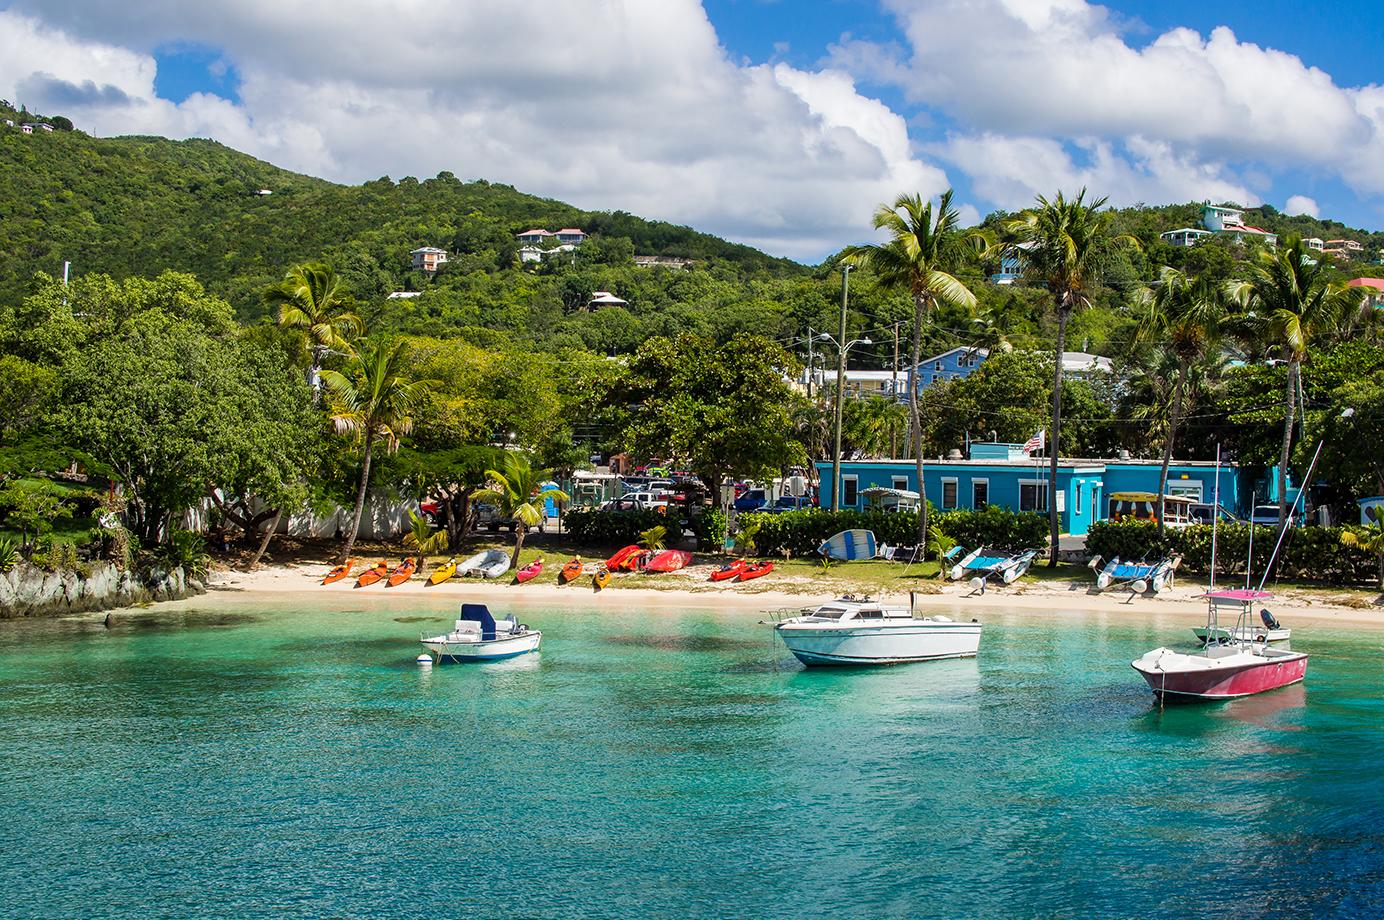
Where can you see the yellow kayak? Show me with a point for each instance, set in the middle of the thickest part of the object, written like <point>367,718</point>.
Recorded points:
<point>443,572</point>
<point>601,578</point>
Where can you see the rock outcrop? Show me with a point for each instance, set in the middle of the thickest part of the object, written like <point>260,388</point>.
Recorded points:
<point>29,591</point>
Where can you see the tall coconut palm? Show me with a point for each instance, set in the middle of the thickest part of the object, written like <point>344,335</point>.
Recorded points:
<point>1292,304</point>
<point>371,402</point>
<point>926,246</point>
<point>518,491</point>
<point>313,300</point>
<point>1060,244</point>
<point>1181,316</point>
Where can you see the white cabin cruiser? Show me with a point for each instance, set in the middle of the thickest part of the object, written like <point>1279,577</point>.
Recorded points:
<point>852,631</point>
<point>478,636</point>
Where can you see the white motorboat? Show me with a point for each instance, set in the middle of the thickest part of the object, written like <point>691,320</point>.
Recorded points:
<point>850,631</point>
<point>1268,630</point>
<point>478,636</point>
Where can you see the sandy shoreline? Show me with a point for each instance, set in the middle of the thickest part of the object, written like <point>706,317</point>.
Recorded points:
<point>1050,597</point>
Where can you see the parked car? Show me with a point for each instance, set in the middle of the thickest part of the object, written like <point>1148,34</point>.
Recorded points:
<point>788,503</point>
<point>751,500</point>
<point>489,517</point>
<point>637,501</point>
<point>1267,515</point>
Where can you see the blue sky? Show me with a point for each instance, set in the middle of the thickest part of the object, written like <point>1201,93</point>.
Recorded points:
<point>777,122</point>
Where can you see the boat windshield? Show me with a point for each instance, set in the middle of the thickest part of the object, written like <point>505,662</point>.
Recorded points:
<point>829,613</point>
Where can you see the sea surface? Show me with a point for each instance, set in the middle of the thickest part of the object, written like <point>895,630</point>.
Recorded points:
<point>236,757</point>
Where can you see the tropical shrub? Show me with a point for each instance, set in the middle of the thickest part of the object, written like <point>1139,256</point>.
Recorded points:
<point>799,533</point>
<point>709,527</point>
<point>9,554</point>
<point>1322,554</point>
<point>609,528</point>
<point>54,555</point>
<point>185,550</point>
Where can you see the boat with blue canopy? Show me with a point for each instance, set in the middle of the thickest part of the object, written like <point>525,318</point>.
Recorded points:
<point>478,636</point>
<point>1141,577</point>
<point>983,564</point>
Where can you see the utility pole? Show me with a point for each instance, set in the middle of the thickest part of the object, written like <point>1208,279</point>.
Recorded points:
<point>894,393</point>
<point>841,348</point>
<point>809,363</point>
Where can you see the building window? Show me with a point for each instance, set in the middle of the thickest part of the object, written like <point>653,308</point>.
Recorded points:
<point>1076,507</point>
<point>1033,496</point>
<point>850,491</point>
<point>948,494</point>
<point>900,483</point>
<point>980,494</point>
<point>1186,488</point>
<point>937,366</point>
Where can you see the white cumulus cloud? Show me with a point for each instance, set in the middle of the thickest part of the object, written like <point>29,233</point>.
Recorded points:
<point>1301,204</point>
<point>605,103</point>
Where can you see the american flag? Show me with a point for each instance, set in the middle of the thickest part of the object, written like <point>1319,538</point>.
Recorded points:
<point>1036,442</point>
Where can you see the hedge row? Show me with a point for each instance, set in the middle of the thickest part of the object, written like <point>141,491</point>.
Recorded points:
<point>1308,554</point>
<point>799,533</point>
<point>620,528</point>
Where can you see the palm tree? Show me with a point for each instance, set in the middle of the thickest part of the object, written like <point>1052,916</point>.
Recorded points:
<point>926,246</point>
<point>1371,540</point>
<point>1292,304</point>
<point>518,492</point>
<point>371,401</point>
<point>1060,243</point>
<point>1183,316</point>
<point>312,299</point>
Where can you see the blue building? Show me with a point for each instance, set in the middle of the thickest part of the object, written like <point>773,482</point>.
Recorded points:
<point>962,362</point>
<point>1001,474</point>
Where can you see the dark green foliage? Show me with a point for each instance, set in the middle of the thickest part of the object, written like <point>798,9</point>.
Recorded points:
<point>1309,553</point>
<point>709,527</point>
<point>590,527</point>
<point>799,533</point>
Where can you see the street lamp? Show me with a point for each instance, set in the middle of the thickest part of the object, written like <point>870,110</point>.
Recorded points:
<point>842,349</point>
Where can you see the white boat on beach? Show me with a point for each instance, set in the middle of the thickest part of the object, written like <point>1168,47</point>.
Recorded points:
<point>490,563</point>
<point>478,636</point>
<point>1006,565</point>
<point>851,631</point>
<point>1139,577</point>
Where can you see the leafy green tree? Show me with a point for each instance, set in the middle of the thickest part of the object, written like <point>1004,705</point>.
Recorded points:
<point>312,300</point>
<point>32,507</point>
<point>517,490</point>
<point>1292,303</point>
<point>27,391</point>
<point>372,401</point>
<point>925,248</point>
<point>1061,244</point>
<point>1181,315</point>
<point>724,408</point>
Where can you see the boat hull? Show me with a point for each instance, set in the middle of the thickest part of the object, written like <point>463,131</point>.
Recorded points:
<point>1174,675</point>
<point>487,650</point>
<point>816,645</point>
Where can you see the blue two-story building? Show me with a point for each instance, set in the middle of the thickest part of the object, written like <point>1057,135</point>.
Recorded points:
<point>1002,475</point>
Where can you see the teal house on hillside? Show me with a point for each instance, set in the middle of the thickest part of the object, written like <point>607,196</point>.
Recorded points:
<point>1002,475</point>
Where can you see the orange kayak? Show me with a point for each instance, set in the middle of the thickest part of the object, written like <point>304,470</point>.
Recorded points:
<point>755,570</point>
<point>569,571</point>
<point>339,572</point>
<point>404,572</point>
<point>373,574</point>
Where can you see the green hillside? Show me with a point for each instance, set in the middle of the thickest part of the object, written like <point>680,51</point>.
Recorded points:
<point>139,205</point>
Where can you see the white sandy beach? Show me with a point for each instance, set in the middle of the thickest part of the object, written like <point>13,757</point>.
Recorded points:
<point>693,590</point>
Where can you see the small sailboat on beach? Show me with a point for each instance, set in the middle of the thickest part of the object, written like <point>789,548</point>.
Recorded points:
<point>1139,577</point>
<point>1006,565</point>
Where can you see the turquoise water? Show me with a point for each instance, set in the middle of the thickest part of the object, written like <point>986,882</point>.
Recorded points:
<point>253,761</point>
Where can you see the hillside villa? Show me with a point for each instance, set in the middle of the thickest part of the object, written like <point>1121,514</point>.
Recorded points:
<point>1219,220</point>
<point>428,258</point>
<point>1376,286</point>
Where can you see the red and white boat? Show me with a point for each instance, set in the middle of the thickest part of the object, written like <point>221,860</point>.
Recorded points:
<point>1228,669</point>
<point>1232,664</point>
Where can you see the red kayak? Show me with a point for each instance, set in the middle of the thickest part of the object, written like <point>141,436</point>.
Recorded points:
<point>670,560</point>
<point>622,557</point>
<point>727,572</point>
<point>755,570</point>
<point>530,571</point>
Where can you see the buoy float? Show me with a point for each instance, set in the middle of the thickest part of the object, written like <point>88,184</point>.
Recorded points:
<point>424,660</point>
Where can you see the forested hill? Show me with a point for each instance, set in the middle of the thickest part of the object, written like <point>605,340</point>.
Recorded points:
<point>140,205</point>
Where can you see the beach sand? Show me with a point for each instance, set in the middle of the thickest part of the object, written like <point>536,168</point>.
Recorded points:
<point>690,588</point>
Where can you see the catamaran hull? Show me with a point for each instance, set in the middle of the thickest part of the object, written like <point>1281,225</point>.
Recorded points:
<point>815,646</point>
<point>487,650</point>
<point>1237,676</point>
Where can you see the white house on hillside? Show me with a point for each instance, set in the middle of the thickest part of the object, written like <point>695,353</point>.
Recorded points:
<point>1186,236</point>
<point>428,258</point>
<point>1231,222</point>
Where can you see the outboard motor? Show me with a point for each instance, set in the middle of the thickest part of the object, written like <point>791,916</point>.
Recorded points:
<point>1268,619</point>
